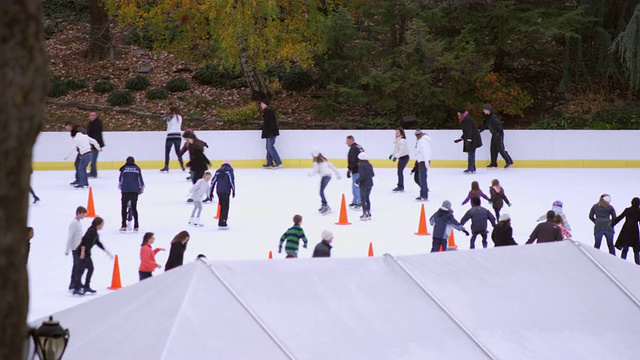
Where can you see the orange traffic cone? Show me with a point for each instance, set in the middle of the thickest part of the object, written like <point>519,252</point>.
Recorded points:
<point>91,211</point>
<point>218,212</point>
<point>343,213</point>
<point>452,242</point>
<point>422,224</point>
<point>370,250</point>
<point>116,283</point>
<point>270,255</point>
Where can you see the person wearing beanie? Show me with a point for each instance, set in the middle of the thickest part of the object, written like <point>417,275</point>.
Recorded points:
<point>352,170</point>
<point>479,217</point>
<point>629,236</point>
<point>502,234</point>
<point>493,124</point>
<point>270,131</point>
<point>94,130</point>
<point>224,181</point>
<point>323,248</point>
<point>365,183</point>
<point>401,154</point>
<point>442,222</point>
<point>471,139</point>
<point>131,185</point>
<point>557,210</point>
<point>174,128</point>
<point>423,159</point>
<point>324,168</point>
<point>601,215</point>
<point>547,231</point>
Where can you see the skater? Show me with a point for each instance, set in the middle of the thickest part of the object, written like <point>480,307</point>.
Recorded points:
<point>492,122</point>
<point>269,132</point>
<point>352,172</point>
<point>557,209</point>
<point>198,192</point>
<point>565,233</point>
<point>174,132</point>
<point>29,237</point>
<point>148,257</point>
<point>471,138</point>
<point>186,148</point>
<point>442,222</point>
<point>224,182</point>
<point>131,185</point>
<point>69,126</point>
<point>423,158</point>
<point>401,154</point>
<point>475,192</point>
<point>94,130</point>
<point>629,236</point>
<point>35,197</point>
<point>323,248</point>
<point>498,197</point>
<point>502,234</point>
<point>365,183</point>
<point>293,236</point>
<point>479,217</point>
<point>198,161</point>
<point>547,231</point>
<point>176,253</point>
<point>83,251</point>
<point>601,215</point>
<point>82,146</point>
<point>74,239</point>
<point>324,168</point>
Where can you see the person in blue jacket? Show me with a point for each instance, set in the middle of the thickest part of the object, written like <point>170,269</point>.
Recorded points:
<point>224,182</point>
<point>131,185</point>
<point>442,222</point>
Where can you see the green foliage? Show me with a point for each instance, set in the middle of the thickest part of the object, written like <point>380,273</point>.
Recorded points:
<point>218,76</point>
<point>327,109</point>
<point>50,28</point>
<point>297,79</point>
<point>240,115</point>
<point>139,36</point>
<point>177,84</point>
<point>615,119</point>
<point>76,84</point>
<point>157,94</point>
<point>66,10</point>
<point>137,83</point>
<point>102,87</point>
<point>58,87</point>
<point>628,46</point>
<point>120,98</point>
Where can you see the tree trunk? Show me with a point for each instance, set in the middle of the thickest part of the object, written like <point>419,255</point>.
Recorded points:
<point>99,32</point>
<point>23,75</point>
<point>254,78</point>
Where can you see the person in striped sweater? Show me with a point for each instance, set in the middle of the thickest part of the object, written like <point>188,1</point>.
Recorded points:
<point>293,236</point>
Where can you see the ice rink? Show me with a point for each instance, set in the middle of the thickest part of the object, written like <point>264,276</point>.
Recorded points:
<point>267,200</point>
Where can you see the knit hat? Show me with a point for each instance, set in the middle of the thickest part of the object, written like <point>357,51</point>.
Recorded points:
<point>266,101</point>
<point>557,203</point>
<point>462,110</point>
<point>327,235</point>
<point>504,217</point>
<point>315,152</point>
<point>606,197</point>
<point>130,160</point>
<point>446,205</point>
<point>362,156</point>
<point>487,107</point>
<point>419,132</point>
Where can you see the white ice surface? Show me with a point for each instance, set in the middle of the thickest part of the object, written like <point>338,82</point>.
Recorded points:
<point>267,200</point>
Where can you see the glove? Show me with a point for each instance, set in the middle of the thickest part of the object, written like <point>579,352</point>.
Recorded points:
<point>304,246</point>
<point>280,250</point>
<point>394,159</point>
<point>465,232</point>
<point>510,204</point>
<point>233,195</point>
<point>390,156</point>
<point>348,174</point>
<point>66,253</point>
<point>457,140</point>
<point>490,202</point>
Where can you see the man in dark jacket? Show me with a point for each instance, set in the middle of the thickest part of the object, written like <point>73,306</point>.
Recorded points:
<point>547,231</point>
<point>323,248</point>
<point>365,183</point>
<point>94,130</point>
<point>131,185</point>
<point>352,172</point>
<point>494,125</point>
<point>479,217</point>
<point>224,182</point>
<point>471,139</point>
<point>442,222</point>
<point>83,253</point>
<point>269,132</point>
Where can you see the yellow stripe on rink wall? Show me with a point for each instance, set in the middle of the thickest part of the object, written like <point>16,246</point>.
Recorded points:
<point>342,163</point>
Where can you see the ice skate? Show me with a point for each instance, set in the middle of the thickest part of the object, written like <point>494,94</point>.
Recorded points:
<point>421,199</point>
<point>123,229</point>
<point>164,169</point>
<point>508,165</point>
<point>398,189</point>
<point>468,171</point>
<point>78,292</point>
<point>492,166</point>
<point>191,220</point>
<point>89,291</point>
<point>36,199</point>
<point>325,210</point>
<point>276,167</point>
<point>223,227</point>
<point>197,223</point>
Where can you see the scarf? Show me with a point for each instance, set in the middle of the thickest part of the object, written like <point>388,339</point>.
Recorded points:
<point>466,113</point>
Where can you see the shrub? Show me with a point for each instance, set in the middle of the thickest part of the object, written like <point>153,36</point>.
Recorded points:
<point>297,79</point>
<point>218,76</point>
<point>615,119</point>
<point>240,115</point>
<point>177,84</point>
<point>137,83</point>
<point>50,28</point>
<point>509,98</point>
<point>274,86</point>
<point>157,94</point>
<point>58,87</point>
<point>120,98</point>
<point>76,84</point>
<point>102,87</point>
<point>140,36</point>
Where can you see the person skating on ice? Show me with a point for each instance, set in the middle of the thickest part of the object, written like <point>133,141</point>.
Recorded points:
<point>629,236</point>
<point>148,262</point>
<point>557,210</point>
<point>174,136</point>
<point>471,139</point>
<point>498,197</point>
<point>131,185</point>
<point>475,192</point>
<point>291,238</point>
<point>82,145</point>
<point>198,161</point>
<point>270,132</point>
<point>493,124</point>
<point>502,234</point>
<point>546,231</point>
<point>29,237</point>
<point>83,251</point>
<point>423,160</point>
<point>224,183</point>
<point>94,130</point>
<point>322,167</point>
<point>70,126</point>
<point>352,170</point>
<point>601,215</point>
<point>479,217</point>
<point>365,183</point>
<point>198,192</point>
<point>323,248</point>
<point>401,154</point>
<point>73,241</point>
<point>176,252</point>
<point>442,222</point>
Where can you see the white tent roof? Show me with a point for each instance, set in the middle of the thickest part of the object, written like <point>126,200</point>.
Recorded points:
<point>551,301</point>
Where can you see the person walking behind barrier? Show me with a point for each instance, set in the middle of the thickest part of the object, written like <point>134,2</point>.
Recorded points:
<point>270,132</point>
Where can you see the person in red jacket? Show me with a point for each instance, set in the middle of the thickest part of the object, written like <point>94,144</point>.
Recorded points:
<point>148,256</point>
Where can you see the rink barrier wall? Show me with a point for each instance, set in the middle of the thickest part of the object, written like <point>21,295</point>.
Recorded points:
<point>529,148</point>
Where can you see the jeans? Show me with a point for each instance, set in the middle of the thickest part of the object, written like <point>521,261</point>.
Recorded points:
<point>83,264</point>
<point>438,243</point>
<point>197,208</point>
<point>81,172</point>
<point>608,234</point>
<point>636,254</point>
<point>126,198</point>
<point>76,262</point>
<point>144,275</point>
<point>473,239</point>
<point>365,193</point>
<point>471,160</point>
<point>94,161</point>
<point>175,142</point>
<point>76,165</point>
<point>272,153</point>
<point>323,185</point>
<point>422,176</point>
<point>355,189</point>
<point>402,163</point>
<point>223,199</point>
<point>496,210</point>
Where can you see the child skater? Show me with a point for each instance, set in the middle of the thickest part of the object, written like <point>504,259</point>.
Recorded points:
<point>293,236</point>
<point>323,167</point>
<point>176,252</point>
<point>479,217</point>
<point>148,256</point>
<point>365,183</point>
<point>475,192</point>
<point>442,222</point>
<point>83,252</point>
<point>498,197</point>
<point>557,209</point>
<point>197,192</point>
<point>502,234</point>
<point>224,181</point>
<point>74,239</point>
<point>566,234</point>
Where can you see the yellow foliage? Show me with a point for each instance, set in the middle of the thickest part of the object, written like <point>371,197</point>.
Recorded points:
<point>240,115</point>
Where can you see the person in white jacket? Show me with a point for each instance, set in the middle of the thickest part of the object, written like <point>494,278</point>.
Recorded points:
<point>198,192</point>
<point>423,158</point>
<point>557,209</point>
<point>82,146</point>
<point>74,239</point>
<point>174,136</point>
<point>401,154</point>
<point>324,168</point>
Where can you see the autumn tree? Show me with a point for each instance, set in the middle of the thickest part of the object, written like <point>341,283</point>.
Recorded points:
<point>23,75</point>
<point>100,47</point>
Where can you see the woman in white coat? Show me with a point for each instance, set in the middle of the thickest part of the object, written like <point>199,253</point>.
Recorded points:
<point>322,167</point>
<point>401,154</point>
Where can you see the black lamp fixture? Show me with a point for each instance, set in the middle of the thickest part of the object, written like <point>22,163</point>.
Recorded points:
<point>50,340</point>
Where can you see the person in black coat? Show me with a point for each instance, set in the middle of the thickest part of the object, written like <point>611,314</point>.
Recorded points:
<point>83,252</point>
<point>269,132</point>
<point>471,139</point>
<point>493,124</point>
<point>629,236</point>
<point>502,234</point>
<point>198,161</point>
<point>224,182</point>
<point>131,185</point>
<point>365,183</point>
<point>352,170</point>
<point>94,130</point>
<point>323,248</point>
<point>176,253</point>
